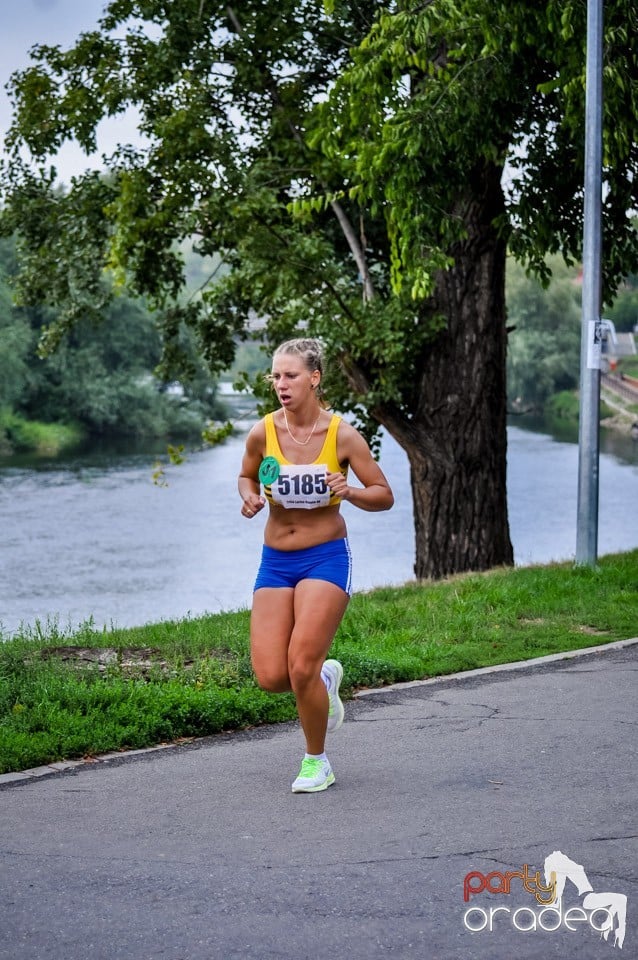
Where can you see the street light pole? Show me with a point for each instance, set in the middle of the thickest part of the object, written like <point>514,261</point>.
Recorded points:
<point>591,332</point>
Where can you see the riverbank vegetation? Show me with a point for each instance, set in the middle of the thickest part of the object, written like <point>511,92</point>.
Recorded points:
<point>73,694</point>
<point>101,381</point>
<point>543,358</point>
<point>19,435</point>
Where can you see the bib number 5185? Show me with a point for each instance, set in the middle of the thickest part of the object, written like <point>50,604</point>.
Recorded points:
<point>302,483</point>
<point>302,486</point>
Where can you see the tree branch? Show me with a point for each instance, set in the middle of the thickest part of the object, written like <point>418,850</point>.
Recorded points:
<point>285,244</point>
<point>355,247</point>
<point>342,218</point>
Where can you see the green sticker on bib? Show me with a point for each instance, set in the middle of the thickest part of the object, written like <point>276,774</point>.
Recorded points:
<point>268,470</point>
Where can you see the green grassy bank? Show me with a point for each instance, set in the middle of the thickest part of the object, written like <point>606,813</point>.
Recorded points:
<point>18,435</point>
<point>68,695</point>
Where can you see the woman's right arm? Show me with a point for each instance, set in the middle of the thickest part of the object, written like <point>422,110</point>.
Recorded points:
<point>248,481</point>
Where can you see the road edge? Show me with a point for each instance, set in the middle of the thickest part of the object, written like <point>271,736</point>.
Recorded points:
<point>59,767</point>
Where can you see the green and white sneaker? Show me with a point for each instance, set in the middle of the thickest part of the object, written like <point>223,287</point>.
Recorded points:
<point>314,775</point>
<point>332,674</point>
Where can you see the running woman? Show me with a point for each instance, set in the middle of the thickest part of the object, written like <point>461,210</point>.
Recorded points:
<point>300,455</point>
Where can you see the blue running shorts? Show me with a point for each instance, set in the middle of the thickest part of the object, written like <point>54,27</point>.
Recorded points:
<point>329,561</point>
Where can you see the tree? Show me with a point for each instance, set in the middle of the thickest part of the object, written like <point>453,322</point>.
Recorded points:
<point>101,376</point>
<point>16,338</point>
<point>347,164</point>
<point>543,355</point>
<point>624,309</point>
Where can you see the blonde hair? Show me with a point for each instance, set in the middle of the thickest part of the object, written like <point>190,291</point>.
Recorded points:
<point>310,352</point>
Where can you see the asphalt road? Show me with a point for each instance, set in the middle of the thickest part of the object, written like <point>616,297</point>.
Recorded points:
<point>201,852</point>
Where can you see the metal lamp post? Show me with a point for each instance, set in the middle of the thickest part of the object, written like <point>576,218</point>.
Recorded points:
<point>591,331</point>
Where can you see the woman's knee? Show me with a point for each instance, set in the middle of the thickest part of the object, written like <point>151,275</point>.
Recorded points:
<point>303,671</point>
<point>272,681</point>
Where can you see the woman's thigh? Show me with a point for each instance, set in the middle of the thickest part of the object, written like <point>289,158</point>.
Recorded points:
<point>271,625</point>
<point>319,607</point>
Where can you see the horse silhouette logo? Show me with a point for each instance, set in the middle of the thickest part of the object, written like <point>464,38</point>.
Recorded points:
<point>614,904</point>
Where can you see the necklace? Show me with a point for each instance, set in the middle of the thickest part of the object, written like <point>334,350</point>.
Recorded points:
<point>302,443</point>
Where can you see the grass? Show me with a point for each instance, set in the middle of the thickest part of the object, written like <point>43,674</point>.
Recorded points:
<point>565,406</point>
<point>32,436</point>
<point>75,694</point>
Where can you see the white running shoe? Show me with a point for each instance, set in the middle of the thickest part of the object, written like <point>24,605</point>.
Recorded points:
<point>332,673</point>
<point>314,775</point>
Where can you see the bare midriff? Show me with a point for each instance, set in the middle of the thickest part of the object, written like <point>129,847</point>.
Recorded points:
<point>299,529</point>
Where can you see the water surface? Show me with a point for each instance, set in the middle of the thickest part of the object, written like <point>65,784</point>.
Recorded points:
<point>92,536</point>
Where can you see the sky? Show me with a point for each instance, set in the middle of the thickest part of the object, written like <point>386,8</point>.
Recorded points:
<point>24,23</point>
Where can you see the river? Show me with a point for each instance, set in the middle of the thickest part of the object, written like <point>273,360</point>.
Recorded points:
<point>91,536</point>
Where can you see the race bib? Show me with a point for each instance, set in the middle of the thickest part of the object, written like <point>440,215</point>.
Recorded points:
<point>301,486</point>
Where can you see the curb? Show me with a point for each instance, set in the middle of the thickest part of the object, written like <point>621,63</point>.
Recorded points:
<point>500,667</point>
<point>63,765</point>
<point>60,766</point>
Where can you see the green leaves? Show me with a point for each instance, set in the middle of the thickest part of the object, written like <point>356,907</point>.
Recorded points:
<point>544,342</point>
<point>334,155</point>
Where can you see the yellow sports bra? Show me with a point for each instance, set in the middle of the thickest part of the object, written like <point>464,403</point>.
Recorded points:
<point>300,486</point>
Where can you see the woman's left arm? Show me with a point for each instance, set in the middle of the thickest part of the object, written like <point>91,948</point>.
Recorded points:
<point>375,494</point>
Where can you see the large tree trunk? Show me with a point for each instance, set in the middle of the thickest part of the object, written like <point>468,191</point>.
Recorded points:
<point>456,442</point>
